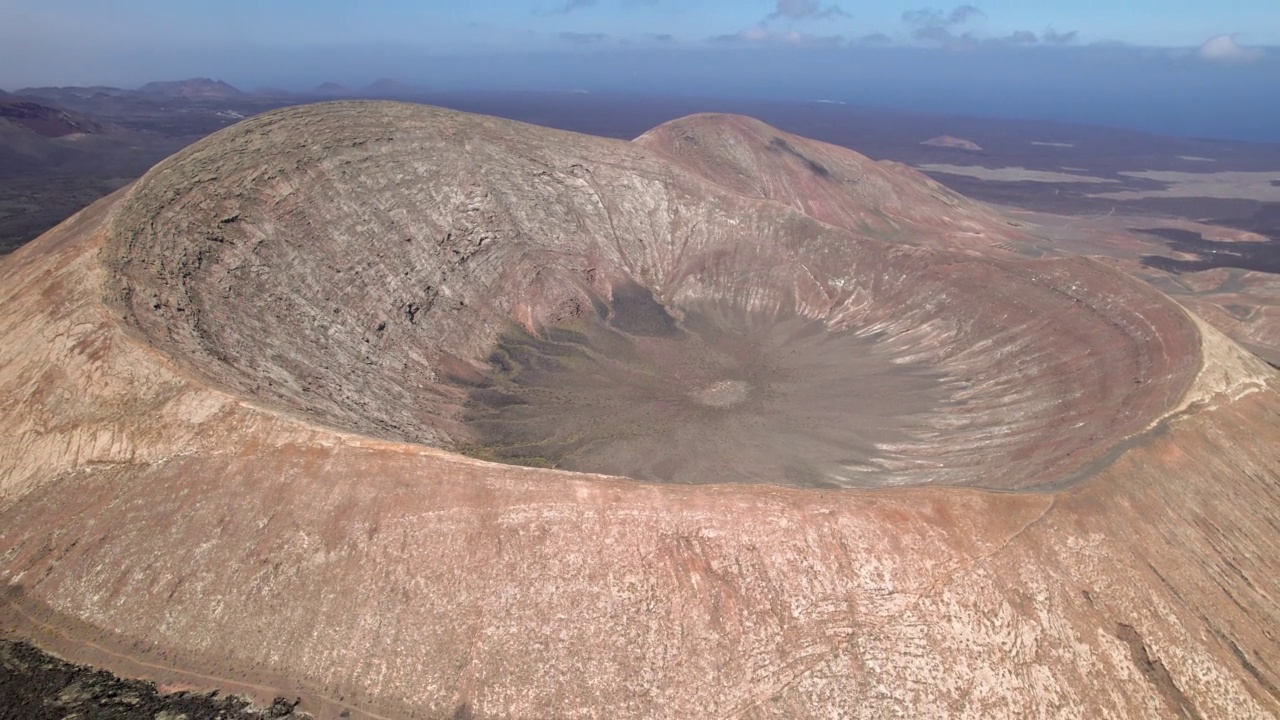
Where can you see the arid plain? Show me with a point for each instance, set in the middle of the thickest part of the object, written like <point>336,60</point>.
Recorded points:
<point>257,397</point>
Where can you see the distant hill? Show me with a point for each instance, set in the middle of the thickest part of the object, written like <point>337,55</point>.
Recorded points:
<point>40,139</point>
<point>193,89</point>
<point>61,148</point>
<point>45,120</point>
<point>953,143</point>
<point>332,88</point>
<point>74,94</point>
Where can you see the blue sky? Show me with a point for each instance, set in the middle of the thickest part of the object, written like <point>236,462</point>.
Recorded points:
<point>460,26</point>
<point>1186,66</point>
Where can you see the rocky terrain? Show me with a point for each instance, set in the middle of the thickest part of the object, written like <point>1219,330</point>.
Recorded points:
<point>35,686</point>
<point>260,393</point>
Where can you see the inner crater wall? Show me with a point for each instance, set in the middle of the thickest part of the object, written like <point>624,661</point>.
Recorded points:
<point>350,262</point>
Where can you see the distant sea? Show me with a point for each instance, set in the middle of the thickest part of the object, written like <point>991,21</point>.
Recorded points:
<point>1163,91</point>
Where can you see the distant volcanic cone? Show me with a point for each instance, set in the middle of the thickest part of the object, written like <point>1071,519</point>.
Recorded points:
<point>404,410</point>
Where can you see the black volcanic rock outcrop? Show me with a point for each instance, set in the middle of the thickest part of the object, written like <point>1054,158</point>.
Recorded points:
<point>235,393</point>
<point>35,686</point>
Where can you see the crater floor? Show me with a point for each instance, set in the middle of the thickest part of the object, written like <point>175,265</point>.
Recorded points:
<point>720,395</point>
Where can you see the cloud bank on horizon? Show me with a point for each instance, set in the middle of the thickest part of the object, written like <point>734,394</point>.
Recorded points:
<point>1224,48</point>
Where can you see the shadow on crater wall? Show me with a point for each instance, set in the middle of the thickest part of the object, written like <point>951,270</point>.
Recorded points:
<point>814,166</point>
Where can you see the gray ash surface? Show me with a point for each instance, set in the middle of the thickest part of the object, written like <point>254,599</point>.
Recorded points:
<point>721,395</point>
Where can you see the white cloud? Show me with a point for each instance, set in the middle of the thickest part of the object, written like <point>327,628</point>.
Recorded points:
<point>937,26</point>
<point>762,36</point>
<point>805,10</point>
<point>1224,48</point>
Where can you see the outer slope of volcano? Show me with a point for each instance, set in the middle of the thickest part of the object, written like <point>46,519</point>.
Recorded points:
<point>886,199</point>
<point>237,387</point>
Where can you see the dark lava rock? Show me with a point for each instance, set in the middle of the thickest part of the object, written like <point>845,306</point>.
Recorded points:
<point>36,686</point>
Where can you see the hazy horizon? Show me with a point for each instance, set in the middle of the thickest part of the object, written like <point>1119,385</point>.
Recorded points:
<point>1168,67</point>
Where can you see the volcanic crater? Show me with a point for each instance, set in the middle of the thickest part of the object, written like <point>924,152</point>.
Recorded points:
<point>483,286</point>
<point>254,403</point>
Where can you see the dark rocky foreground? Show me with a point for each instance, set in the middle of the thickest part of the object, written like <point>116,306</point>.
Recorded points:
<point>35,686</point>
